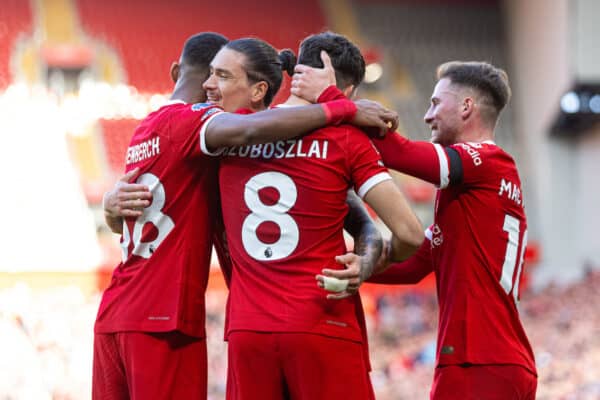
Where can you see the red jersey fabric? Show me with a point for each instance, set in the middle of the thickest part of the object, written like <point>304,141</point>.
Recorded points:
<point>284,205</point>
<point>477,242</point>
<point>160,284</point>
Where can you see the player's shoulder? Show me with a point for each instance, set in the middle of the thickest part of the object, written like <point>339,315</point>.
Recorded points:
<point>193,110</point>
<point>344,131</point>
<point>479,153</point>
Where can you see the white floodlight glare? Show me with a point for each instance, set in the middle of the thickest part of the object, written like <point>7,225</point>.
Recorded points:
<point>570,103</point>
<point>373,72</point>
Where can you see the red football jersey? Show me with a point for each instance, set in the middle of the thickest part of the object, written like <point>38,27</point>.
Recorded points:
<point>477,243</point>
<point>284,205</point>
<point>160,284</point>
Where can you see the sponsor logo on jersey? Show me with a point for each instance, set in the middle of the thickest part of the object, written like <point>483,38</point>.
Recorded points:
<point>200,106</point>
<point>511,190</point>
<point>282,149</point>
<point>143,151</point>
<point>437,237</point>
<point>470,149</point>
<point>210,112</point>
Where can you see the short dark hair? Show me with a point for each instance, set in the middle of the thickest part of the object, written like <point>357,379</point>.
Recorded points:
<point>263,63</point>
<point>201,48</point>
<point>490,83</point>
<point>346,58</point>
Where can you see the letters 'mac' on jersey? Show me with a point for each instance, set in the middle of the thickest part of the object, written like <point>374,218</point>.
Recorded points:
<point>284,205</point>
<point>477,244</point>
<point>160,284</point>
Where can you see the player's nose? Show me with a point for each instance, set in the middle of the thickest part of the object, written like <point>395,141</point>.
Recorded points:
<point>428,117</point>
<point>209,84</point>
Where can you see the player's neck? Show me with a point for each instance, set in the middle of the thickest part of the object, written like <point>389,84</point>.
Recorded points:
<point>295,101</point>
<point>187,96</point>
<point>475,133</point>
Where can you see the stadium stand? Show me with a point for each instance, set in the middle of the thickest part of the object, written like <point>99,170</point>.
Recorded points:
<point>419,36</point>
<point>166,28</point>
<point>116,134</point>
<point>15,24</point>
<point>49,341</point>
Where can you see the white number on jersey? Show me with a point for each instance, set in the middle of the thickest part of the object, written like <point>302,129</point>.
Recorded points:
<point>276,213</point>
<point>511,225</point>
<point>152,214</point>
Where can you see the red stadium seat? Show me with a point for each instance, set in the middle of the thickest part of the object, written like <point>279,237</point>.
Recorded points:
<point>116,134</point>
<point>15,21</point>
<point>148,36</point>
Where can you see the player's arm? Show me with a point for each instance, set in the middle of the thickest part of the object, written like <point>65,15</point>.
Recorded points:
<point>368,242</point>
<point>392,207</point>
<point>125,200</point>
<point>227,129</point>
<point>431,162</point>
<point>221,246</point>
<point>410,271</point>
<point>360,264</point>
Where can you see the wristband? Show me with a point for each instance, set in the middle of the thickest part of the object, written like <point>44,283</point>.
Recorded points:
<point>339,111</point>
<point>330,93</point>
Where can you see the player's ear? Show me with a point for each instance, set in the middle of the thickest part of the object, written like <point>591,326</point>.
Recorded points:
<point>259,91</point>
<point>175,69</point>
<point>467,107</point>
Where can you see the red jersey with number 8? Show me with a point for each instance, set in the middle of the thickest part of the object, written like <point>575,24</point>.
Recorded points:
<point>160,284</point>
<point>284,205</point>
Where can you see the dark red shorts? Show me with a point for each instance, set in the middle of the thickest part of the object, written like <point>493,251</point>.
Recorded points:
<point>149,366</point>
<point>487,382</point>
<point>301,366</point>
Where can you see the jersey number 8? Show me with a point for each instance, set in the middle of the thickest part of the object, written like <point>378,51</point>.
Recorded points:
<point>276,213</point>
<point>152,214</point>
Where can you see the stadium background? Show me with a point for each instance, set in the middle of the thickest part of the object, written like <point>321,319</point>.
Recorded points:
<point>77,75</point>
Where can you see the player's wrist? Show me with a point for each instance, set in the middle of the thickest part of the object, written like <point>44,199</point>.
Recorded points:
<point>330,93</point>
<point>339,111</point>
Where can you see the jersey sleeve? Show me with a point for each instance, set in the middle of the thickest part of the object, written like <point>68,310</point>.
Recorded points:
<point>428,161</point>
<point>189,125</point>
<point>364,162</point>
<point>477,160</point>
<point>410,271</point>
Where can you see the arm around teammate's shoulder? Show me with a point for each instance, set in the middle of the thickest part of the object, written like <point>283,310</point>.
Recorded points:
<point>441,166</point>
<point>227,129</point>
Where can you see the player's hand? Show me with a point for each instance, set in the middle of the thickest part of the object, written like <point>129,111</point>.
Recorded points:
<point>375,117</point>
<point>126,199</point>
<point>308,82</point>
<point>351,277</point>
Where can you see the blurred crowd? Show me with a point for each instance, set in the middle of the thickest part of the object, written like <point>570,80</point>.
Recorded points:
<point>46,342</point>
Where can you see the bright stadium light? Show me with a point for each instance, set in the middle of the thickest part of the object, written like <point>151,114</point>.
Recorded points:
<point>595,104</point>
<point>373,72</point>
<point>570,103</point>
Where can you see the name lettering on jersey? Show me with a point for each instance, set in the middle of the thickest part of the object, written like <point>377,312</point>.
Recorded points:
<point>294,148</point>
<point>143,151</point>
<point>470,149</point>
<point>511,190</point>
<point>437,237</point>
